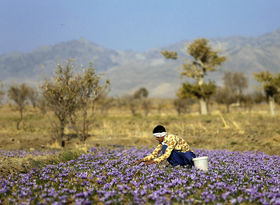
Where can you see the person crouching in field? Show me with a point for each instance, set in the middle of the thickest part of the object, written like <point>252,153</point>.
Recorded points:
<point>173,148</point>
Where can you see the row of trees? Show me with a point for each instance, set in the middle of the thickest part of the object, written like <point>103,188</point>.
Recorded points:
<point>203,59</point>
<point>230,94</point>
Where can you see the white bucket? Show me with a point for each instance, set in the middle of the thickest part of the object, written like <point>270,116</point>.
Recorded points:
<point>201,163</point>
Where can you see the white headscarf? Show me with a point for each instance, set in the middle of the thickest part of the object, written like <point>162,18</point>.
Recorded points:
<point>160,134</point>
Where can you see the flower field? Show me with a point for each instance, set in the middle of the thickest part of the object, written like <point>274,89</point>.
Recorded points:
<point>108,176</point>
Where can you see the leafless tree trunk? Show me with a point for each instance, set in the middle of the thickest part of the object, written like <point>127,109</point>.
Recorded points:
<point>21,118</point>
<point>202,102</point>
<point>85,126</point>
<point>61,133</point>
<point>228,107</point>
<point>271,105</point>
<point>203,106</point>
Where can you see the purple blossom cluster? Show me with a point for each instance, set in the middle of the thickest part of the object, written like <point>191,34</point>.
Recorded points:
<point>109,177</point>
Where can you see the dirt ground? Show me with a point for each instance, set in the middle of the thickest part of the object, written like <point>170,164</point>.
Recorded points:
<point>239,130</point>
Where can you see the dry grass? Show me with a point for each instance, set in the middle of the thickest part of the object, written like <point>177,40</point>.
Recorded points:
<point>240,130</point>
<point>14,165</point>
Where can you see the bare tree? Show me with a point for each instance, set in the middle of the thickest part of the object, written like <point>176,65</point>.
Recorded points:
<point>19,95</point>
<point>225,96</point>
<point>258,97</point>
<point>146,105</point>
<point>141,95</point>
<point>61,96</point>
<point>89,92</point>
<point>235,83</point>
<point>33,97</point>
<point>182,105</point>
<point>247,101</point>
<point>130,102</point>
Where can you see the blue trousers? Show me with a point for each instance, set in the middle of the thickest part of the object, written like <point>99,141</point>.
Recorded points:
<point>179,158</point>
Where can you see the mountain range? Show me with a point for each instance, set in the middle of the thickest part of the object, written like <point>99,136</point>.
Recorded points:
<point>130,70</point>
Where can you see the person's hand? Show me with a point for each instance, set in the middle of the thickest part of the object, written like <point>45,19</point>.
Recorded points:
<point>137,162</point>
<point>149,162</point>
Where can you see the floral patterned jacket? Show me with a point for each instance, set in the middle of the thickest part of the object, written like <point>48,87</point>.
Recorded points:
<point>173,142</point>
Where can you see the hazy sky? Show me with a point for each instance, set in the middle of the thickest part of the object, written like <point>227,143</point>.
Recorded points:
<point>131,24</point>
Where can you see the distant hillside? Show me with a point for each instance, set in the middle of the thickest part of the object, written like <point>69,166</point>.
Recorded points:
<point>129,70</point>
<point>42,61</point>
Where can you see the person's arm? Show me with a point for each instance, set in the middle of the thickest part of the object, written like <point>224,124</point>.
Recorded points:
<point>151,156</point>
<point>170,147</point>
<point>154,154</point>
